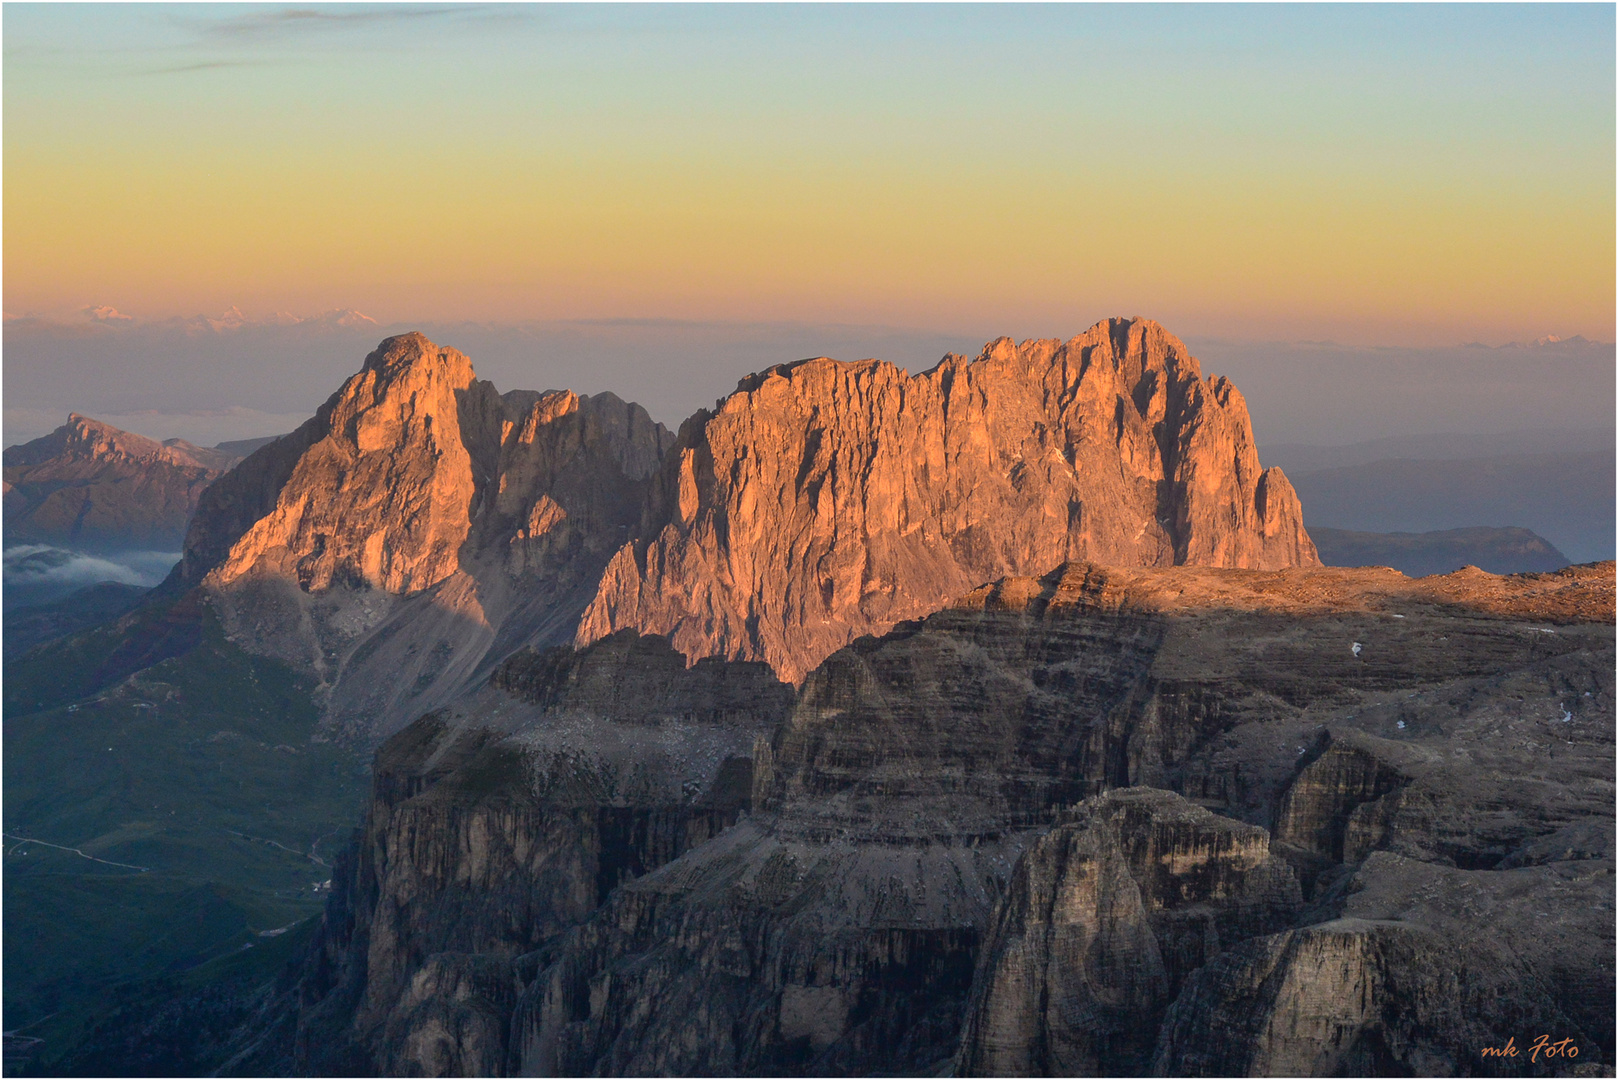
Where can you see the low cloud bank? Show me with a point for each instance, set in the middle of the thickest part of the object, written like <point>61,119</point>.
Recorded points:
<point>39,573</point>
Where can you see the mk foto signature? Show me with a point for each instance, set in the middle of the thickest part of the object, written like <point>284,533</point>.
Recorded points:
<point>1542,1045</point>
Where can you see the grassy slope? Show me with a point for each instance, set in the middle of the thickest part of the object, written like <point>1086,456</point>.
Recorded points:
<point>195,768</point>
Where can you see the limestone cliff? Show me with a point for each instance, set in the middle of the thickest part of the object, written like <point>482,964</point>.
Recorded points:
<point>827,934</point>
<point>501,822</point>
<point>825,500</point>
<point>384,497</point>
<point>419,528</point>
<point>90,486</point>
<point>422,526</point>
<point>1105,917</point>
<point>949,848</point>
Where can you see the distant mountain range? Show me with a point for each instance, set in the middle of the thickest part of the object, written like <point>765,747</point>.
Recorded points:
<point>1301,458</point>
<point>994,720</point>
<point>1499,551</point>
<point>91,487</point>
<point>105,316</point>
<point>90,503</point>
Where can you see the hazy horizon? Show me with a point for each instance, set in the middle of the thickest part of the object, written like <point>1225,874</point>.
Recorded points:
<point>1421,174</point>
<point>1330,204</point>
<point>208,384</point>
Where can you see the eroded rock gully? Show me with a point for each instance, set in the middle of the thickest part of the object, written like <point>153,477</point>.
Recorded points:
<point>824,500</point>
<point>983,840</point>
<point>422,526</point>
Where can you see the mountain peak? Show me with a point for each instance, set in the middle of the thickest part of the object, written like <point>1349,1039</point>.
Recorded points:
<point>89,483</point>
<point>865,496</point>
<point>413,351</point>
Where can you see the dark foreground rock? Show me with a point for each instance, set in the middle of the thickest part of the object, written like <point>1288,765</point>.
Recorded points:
<point>494,829</point>
<point>1114,821</point>
<point>1106,916</point>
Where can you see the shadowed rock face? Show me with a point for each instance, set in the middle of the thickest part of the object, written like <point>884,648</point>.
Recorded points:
<point>421,526</point>
<point>557,876</point>
<point>946,851</point>
<point>499,823</point>
<point>952,848</point>
<point>91,486</point>
<point>1377,997</point>
<point>418,529</point>
<point>826,500</point>
<point>1104,918</point>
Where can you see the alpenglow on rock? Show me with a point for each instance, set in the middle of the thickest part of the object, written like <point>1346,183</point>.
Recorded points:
<point>826,500</point>
<point>441,525</point>
<point>420,528</point>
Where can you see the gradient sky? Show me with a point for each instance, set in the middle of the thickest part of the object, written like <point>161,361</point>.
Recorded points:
<point>1423,175</point>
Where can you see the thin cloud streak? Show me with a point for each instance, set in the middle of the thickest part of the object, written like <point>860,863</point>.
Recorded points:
<point>209,65</point>
<point>279,24</point>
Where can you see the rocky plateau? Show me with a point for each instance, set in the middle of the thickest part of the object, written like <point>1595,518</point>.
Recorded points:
<point>996,720</point>
<point>1109,821</point>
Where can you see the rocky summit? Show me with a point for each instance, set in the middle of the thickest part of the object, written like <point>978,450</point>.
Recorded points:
<point>825,500</point>
<point>419,528</point>
<point>998,720</point>
<point>422,526</point>
<point>89,486</point>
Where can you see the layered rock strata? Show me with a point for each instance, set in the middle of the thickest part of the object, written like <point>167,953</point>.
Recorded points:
<point>826,500</point>
<point>497,824</point>
<point>1105,917</point>
<point>557,876</point>
<point>421,526</point>
<point>871,907</point>
<point>1424,968</point>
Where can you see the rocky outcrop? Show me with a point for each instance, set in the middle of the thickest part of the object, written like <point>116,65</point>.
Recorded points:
<point>1453,833</point>
<point>89,486</point>
<point>422,526</point>
<point>1105,917</point>
<point>892,804</point>
<point>384,497</point>
<point>1335,810</point>
<point>651,856</point>
<point>498,824</point>
<point>557,876</point>
<point>1358,996</point>
<point>763,953</point>
<point>418,529</point>
<point>826,500</point>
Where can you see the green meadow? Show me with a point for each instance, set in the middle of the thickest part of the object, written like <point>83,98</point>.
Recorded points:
<point>164,822</point>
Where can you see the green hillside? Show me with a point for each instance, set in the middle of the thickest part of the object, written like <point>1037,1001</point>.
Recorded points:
<point>156,821</point>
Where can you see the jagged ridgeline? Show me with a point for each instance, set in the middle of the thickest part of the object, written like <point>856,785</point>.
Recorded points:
<point>90,486</point>
<point>421,525</point>
<point>998,720</point>
<point>1107,822</point>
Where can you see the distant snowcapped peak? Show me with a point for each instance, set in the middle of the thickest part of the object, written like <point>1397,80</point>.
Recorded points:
<point>106,313</point>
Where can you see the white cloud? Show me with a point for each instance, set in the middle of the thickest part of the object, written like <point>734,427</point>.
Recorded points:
<point>41,564</point>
